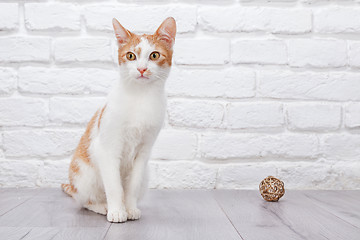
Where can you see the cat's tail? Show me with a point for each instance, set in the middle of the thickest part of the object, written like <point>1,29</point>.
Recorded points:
<point>68,189</point>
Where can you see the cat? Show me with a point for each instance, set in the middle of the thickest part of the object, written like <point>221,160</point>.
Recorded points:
<point>108,171</point>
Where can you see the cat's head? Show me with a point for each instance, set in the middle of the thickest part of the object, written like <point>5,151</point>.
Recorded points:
<point>145,58</point>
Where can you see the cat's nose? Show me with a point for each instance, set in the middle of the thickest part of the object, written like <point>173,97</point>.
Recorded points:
<point>142,70</point>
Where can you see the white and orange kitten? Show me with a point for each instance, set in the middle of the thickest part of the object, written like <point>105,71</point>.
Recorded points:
<point>108,172</point>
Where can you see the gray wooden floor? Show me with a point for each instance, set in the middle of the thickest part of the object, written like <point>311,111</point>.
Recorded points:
<point>185,214</point>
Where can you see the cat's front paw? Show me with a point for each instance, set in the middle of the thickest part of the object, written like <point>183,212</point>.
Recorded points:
<point>133,213</point>
<point>117,216</point>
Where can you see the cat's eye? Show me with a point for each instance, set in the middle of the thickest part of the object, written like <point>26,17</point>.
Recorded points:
<point>130,56</point>
<point>154,55</point>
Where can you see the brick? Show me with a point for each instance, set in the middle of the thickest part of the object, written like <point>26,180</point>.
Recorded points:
<point>354,54</point>
<point>74,110</point>
<point>255,115</point>
<point>313,117</point>
<point>8,81</point>
<point>52,16</point>
<point>137,18</point>
<point>347,175</point>
<point>54,173</point>
<point>20,49</point>
<point>227,83</point>
<point>306,175</point>
<point>199,114</point>
<point>19,173</point>
<point>246,146</point>
<point>9,15</point>
<point>172,144</point>
<point>241,19</point>
<point>243,176</point>
<point>352,115</point>
<point>83,50</point>
<point>339,86</point>
<point>344,147</point>
<point>66,80</point>
<point>40,143</point>
<point>317,53</point>
<point>196,51</point>
<point>259,51</point>
<point>23,112</point>
<point>183,175</point>
<point>337,20</point>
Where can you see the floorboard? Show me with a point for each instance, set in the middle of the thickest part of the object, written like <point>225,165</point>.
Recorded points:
<point>309,220</point>
<point>94,233</point>
<point>10,198</point>
<point>185,214</point>
<point>338,204</point>
<point>177,215</point>
<point>51,208</point>
<point>250,216</point>
<point>13,233</point>
<point>39,233</point>
<point>354,194</point>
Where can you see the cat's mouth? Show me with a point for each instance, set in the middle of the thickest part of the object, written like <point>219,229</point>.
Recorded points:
<point>142,77</point>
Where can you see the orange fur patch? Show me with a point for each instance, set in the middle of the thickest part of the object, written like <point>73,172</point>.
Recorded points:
<point>160,46</point>
<point>132,42</point>
<point>81,152</point>
<point>100,117</point>
<point>69,189</point>
<point>82,149</point>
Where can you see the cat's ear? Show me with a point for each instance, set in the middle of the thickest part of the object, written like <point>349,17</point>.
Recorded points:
<point>167,31</point>
<point>122,35</point>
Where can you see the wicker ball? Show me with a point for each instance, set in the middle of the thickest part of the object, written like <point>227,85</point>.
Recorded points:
<point>271,189</point>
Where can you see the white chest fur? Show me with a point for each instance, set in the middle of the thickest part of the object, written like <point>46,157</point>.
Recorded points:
<point>133,117</point>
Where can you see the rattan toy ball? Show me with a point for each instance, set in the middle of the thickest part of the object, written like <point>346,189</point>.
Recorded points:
<point>271,189</point>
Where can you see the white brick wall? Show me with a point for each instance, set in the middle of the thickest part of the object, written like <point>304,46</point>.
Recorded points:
<point>241,19</point>
<point>201,51</point>
<point>9,17</point>
<point>314,117</point>
<point>354,54</point>
<point>63,17</point>
<point>317,53</point>
<point>352,115</point>
<point>139,18</point>
<point>24,49</point>
<point>74,81</point>
<point>40,143</point>
<point>74,110</point>
<point>255,115</point>
<point>257,88</point>
<point>337,20</point>
<point>259,51</point>
<point>82,50</point>
<point>17,111</point>
<point>7,81</point>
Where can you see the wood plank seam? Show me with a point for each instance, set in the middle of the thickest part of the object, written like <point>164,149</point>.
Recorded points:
<point>285,224</point>
<point>326,210</point>
<point>17,205</point>
<point>26,234</point>
<point>107,230</point>
<point>232,224</point>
